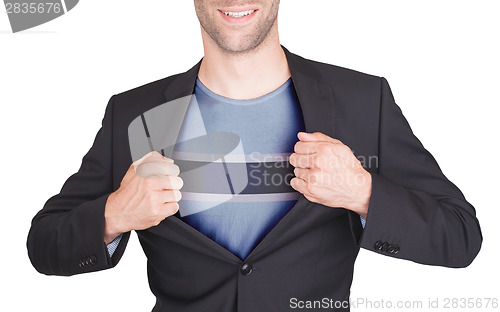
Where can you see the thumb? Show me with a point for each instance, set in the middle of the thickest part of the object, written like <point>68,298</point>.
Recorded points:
<point>147,157</point>
<point>316,136</point>
<point>152,157</point>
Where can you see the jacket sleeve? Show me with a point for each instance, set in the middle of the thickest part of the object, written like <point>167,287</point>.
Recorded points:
<point>415,212</point>
<point>67,236</point>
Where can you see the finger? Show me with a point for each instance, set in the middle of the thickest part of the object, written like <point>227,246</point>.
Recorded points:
<point>151,170</point>
<point>301,173</point>
<point>152,156</point>
<point>172,169</point>
<point>143,158</point>
<point>307,147</point>
<point>171,208</point>
<point>157,157</point>
<point>167,209</point>
<point>132,170</point>
<point>135,164</point>
<point>301,186</point>
<point>301,160</point>
<point>298,184</point>
<point>308,175</point>
<point>164,183</point>
<point>172,183</point>
<point>316,136</point>
<point>167,196</point>
<point>157,169</point>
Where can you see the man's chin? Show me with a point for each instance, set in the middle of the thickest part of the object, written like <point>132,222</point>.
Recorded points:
<point>239,45</point>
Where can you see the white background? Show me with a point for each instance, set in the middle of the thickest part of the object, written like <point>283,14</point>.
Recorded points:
<point>440,58</point>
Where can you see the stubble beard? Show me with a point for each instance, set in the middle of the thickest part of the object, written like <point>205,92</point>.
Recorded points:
<point>244,45</point>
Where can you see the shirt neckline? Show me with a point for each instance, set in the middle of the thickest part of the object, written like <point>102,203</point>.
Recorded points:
<point>257,100</point>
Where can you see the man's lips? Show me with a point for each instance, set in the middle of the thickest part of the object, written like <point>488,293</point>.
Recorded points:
<point>237,15</point>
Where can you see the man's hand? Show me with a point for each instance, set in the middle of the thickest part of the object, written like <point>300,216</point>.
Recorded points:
<point>328,173</point>
<point>148,193</point>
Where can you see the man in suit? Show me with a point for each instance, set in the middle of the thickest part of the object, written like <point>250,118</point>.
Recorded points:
<point>302,247</point>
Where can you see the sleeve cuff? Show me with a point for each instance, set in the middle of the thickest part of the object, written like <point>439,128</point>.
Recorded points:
<point>363,221</point>
<point>112,246</point>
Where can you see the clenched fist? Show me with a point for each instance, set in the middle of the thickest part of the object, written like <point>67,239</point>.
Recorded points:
<point>148,193</point>
<point>328,173</point>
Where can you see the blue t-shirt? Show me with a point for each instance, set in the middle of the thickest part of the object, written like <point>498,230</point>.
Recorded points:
<point>237,197</point>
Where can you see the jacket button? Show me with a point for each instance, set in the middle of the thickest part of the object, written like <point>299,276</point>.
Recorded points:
<point>378,245</point>
<point>83,263</point>
<point>384,246</point>
<point>390,249</point>
<point>246,269</point>
<point>395,249</point>
<point>93,260</point>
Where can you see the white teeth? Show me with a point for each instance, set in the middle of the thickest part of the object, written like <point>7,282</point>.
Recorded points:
<point>239,14</point>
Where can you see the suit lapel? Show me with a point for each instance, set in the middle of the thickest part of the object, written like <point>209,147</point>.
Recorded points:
<point>178,93</point>
<point>315,98</point>
<point>183,84</point>
<point>318,107</point>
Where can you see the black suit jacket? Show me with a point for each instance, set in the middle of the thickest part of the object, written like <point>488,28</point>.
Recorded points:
<point>415,212</point>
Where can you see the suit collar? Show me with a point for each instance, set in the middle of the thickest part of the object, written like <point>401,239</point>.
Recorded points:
<point>183,84</point>
<point>315,97</point>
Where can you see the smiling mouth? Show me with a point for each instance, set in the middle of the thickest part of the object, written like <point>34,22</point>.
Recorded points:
<point>238,14</point>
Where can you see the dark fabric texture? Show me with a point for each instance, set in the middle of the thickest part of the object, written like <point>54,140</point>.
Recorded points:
<point>310,253</point>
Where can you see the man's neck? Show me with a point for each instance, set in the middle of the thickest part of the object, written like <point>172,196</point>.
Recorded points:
<point>244,76</point>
